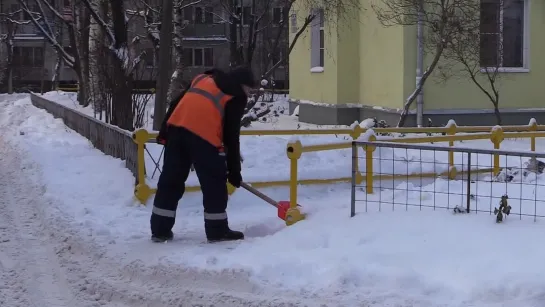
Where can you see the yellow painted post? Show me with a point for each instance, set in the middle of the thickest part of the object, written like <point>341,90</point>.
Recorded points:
<point>369,165</point>
<point>533,128</point>
<point>294,152</point>
<point>293,214</point>
<point>451,130</point>
<point>496,136</point>
<point>142,191</point>
<point>356,132</point>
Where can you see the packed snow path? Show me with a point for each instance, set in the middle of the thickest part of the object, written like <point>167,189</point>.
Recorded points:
<point>44,264</point>
<point>72,235</point>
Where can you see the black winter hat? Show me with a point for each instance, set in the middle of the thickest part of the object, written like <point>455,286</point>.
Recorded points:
<point>243,75</point>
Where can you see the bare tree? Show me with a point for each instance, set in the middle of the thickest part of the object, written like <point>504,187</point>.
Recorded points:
<point>71,55</point>
<point>122,60</point>
<point>440,21</point>
<point>8,25</point>
<point>470,55</point>
<point>332,13</point>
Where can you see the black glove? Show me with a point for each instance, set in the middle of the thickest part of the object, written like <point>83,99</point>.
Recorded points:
<point>234,179</point>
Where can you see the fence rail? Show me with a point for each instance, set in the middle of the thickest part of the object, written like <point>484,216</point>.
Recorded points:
<point>476,187</point>
<point>109,139</point>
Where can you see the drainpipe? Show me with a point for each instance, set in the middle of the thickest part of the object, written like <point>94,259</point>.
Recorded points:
<point>419,65</point>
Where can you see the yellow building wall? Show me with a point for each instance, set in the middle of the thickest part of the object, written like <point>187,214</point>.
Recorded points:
<point>517,90</point>
<point>382,62</point>
<point>305,85</point>
<point>349,55</point>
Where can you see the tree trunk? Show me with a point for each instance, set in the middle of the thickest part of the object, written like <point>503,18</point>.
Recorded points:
<point>96,60</point>
<point>10,79</point>
<point>58,63</point>
<point>122,111</point>
<point>497,114</point>
<point>10,65</point>
<point>233,34</point>
<point>84,22</point>
<point>175,87</point>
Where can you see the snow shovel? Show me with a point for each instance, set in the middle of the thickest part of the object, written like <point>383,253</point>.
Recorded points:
<point>282,206</point>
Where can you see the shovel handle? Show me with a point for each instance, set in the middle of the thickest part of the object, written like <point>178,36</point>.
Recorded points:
<point>264,197</point>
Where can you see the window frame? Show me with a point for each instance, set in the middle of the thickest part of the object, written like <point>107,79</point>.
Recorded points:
<point>317,37</point>
<point>203,56</point>
<point>525,43</point>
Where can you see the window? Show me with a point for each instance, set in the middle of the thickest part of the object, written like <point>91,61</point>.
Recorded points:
<point>187,57</point>
<point>199,15</point>
<point>504,34</point>
<point>317,40</point>
<point>294,23</point>
<point>13,9</point>
<point>34,9</point>
<point>200,57</point>
<point>16,56</point>
<point>202,15</point>
<point>208,15</point>
<point>279,16</point>
<point>38,60</point>
<point>197,57</point>
<point>208,57</point>
<point>277,56</point>
<point>28,56</point>
<point>188,13</point>
<point>149,58</point>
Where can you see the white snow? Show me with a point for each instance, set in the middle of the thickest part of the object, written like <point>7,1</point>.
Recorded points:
<point>450,123</point>
<point>317,69</point>
<point>532,122</point>
<point>295,111</point>
<point>367,123</point>
<point>81,239</point>
<point>366,135</point>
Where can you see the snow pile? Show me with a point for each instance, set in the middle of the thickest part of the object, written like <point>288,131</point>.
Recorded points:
<point>404,257</point>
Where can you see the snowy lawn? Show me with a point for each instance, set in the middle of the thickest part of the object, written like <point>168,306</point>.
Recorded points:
<point>388,258</point>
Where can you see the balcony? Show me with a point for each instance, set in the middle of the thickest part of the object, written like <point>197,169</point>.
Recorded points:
<point>205,30</point>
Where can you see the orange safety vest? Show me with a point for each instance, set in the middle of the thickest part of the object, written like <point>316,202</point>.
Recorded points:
<point>201,110</point>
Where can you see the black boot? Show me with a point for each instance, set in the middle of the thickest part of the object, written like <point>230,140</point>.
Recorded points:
<point>162,238</point>
<point>227,235</point>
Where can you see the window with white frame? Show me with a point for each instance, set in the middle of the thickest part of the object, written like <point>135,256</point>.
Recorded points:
<point>504,34</point>
<point>317,40</point>
<point>293,22</point>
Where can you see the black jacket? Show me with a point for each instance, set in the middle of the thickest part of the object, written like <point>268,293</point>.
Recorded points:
<point>234,110</point>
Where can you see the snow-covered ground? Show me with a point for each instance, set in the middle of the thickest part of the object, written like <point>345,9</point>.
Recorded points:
<point>71,234</point>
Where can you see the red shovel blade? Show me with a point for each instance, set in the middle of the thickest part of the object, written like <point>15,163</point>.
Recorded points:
<point>283,207</point>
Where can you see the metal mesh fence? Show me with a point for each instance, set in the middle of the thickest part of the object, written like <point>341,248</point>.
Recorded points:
<point>421,177</point>
<point>109,139</point>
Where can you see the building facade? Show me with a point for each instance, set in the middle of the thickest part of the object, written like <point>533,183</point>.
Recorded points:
<point>355,68</point>
<point>206,41</point>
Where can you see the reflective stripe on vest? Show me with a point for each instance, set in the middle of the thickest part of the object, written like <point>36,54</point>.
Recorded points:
<point>215,99</point>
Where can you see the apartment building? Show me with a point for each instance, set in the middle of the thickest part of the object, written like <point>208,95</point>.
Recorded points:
<point>206,42</point>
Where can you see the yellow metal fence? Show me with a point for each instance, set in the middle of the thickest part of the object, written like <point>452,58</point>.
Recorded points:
<point>294,150</point>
